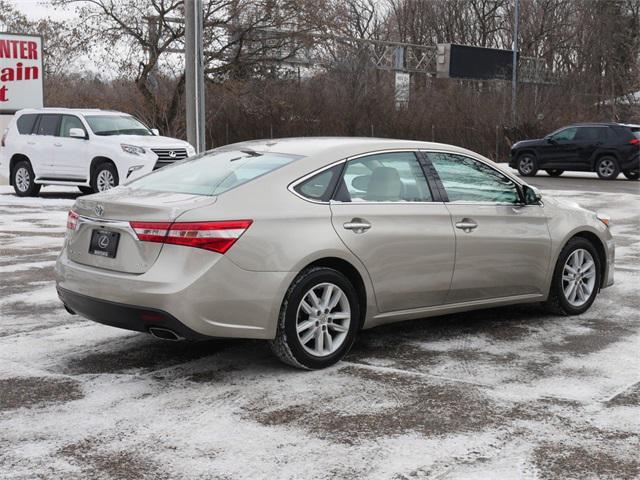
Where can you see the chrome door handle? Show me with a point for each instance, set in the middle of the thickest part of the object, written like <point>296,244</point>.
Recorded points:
<point>357,225</point>
<point>57,144</point>
<point>466,225</point>
<point>31,143</point>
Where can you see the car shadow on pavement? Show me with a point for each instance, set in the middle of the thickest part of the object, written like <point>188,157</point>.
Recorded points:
<point>145,354</point>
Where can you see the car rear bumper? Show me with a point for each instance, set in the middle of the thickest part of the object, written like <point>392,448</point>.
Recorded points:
<point>129,317</point>
<point>194,292</point>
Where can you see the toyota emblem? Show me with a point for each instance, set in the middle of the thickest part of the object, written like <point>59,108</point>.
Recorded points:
<point>99,210</point>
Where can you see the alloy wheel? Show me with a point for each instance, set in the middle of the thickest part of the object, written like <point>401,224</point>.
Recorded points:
<point>579,277</point>
<point>322,319</point>
<point>606,168</point>
<point>526,165</point>
<point>105,180</point>
<point>23,179</point>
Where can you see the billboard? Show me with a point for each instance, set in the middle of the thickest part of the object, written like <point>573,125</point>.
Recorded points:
<point>21,73</point>
<point>478,63</point>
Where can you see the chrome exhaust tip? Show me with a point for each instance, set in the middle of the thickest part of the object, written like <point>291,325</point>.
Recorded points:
<point>164,334</point>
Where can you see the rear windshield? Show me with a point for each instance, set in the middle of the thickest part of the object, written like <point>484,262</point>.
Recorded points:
<point>213,173</point>
<point>105,125</point>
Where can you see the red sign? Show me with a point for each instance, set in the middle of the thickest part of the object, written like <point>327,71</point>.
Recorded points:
<point>20,71</point>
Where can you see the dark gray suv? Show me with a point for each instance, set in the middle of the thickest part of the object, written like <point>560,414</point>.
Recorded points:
<point>604,148</point>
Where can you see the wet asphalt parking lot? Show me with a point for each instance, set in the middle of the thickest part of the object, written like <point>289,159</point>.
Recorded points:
<point>502,393</point>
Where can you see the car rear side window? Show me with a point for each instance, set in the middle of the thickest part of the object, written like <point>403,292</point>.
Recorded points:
<point>48,125</point>
<point>213,173</point>
<point>320,186</point>
<point>471,181</point>
<point>25,123</point>
<point>384,177</point>
<point>591,134</point>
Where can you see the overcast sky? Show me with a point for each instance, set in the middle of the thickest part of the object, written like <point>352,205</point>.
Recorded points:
<point>36,9</point>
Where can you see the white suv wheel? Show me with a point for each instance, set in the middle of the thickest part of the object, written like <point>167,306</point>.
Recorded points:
<point>105,180</point>
<point>22,179</point>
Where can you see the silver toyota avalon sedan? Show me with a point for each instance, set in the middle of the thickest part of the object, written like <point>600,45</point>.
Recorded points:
<point>305,241</point>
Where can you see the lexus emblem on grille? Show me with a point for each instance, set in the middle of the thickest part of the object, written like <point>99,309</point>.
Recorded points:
<point>103,242</point>
<point>172,154</point>
<point>99,210</point>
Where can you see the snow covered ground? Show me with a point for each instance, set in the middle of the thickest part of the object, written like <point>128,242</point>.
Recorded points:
<point>502,393</point>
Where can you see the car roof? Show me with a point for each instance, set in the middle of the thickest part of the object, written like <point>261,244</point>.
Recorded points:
<point>81,111</point>
<point>306,146</point>
<point>319,152</point>
<point>602,124</point>
<point>594,124</point>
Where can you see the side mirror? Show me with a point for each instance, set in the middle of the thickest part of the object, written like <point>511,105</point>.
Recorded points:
<point>551,140</point>
<point>532,195</point>
<point>155,131</point>
<point>77,133</point>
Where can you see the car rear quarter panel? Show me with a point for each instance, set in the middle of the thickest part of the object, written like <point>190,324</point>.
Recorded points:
<point>288,233</point>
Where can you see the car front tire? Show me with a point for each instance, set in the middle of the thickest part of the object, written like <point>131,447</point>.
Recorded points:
<point>23,180</point>
<point>631,174</point>
<point>576,278</point>
<point>527,165</point>
<point>554,172</point>
<point>104,178</point>
<point>319,319</point>
<point>607,168</point>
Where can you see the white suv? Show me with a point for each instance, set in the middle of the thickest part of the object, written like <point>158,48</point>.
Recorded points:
<point>92,149</point>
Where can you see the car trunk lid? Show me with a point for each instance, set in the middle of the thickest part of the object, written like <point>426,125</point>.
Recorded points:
<point>109,215</point>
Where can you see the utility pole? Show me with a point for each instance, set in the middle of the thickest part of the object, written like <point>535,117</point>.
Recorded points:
<point>514,73</point>
<point>194,74</point>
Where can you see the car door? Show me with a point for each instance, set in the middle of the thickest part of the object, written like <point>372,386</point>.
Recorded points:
<point>71,155</point>
<point>588,140</point>
<point>385,213</point>
<point>502,245</point>
<point>559,149</point>
<point>42,145</point>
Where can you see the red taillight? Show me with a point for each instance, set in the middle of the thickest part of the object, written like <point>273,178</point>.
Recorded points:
<point>72,220</point>
<point>634,141</point>
<point>214,236</point>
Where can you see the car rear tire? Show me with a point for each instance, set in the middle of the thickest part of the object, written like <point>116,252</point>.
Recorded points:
<point>86,190</point>
<point>23,180</point>
<point>554,172</point>
<point>104,177</point>
<point>631,174</point>
<point>576,278</point>
<point>319,319</point>
<point>527,165</point>
<point>607,168</point>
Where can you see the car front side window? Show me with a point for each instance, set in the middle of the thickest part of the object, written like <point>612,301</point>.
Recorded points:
<point>67,123</point>
<point>566,134</point>
<point>384,177</point>
<point>467,180</point>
